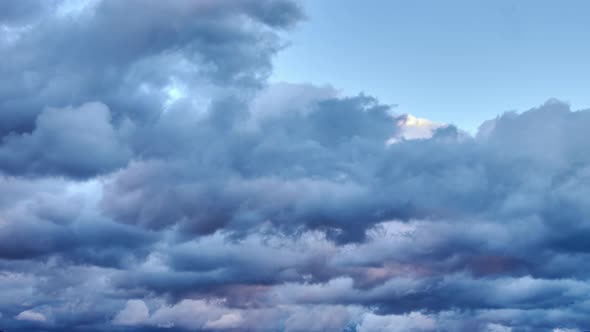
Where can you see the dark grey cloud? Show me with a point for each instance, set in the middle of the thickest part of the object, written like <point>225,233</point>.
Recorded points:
<point>151,179</point>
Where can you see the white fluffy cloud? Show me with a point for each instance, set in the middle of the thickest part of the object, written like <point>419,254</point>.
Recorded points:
<point>414,322</point>
<point>30,315</point>
<point>135,312</point>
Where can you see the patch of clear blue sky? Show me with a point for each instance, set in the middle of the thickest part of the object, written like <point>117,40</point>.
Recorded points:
<point>457,61</point>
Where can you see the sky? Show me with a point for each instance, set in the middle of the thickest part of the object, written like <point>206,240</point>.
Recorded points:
<point>173,166</point>
<point>456,61</point>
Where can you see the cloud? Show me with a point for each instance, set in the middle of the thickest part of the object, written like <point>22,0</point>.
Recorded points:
<point>227,321</point>
<point>130,64</point>
<point>154,179</point>
<point>21,12</point>
<point>498,328</point>
<point>411,127</point>
<point>216,315</point>
<point>414,321</point>
<point>335,318</point>
<point>76,142</point>
<point>508,272</point>
<point>134,313</point>
<point>30,315</point>
<point>296,159</point>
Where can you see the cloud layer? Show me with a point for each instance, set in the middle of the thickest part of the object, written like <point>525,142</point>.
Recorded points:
<point>151,179</point>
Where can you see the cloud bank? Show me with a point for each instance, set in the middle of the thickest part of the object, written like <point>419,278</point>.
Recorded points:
<point>152,179</point>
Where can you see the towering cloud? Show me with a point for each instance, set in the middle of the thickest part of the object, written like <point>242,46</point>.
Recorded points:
<point>151,179</point>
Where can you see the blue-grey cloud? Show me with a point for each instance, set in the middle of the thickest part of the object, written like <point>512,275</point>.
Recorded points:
<point>152,179</point>
<point>79,142</point>
<point>125,53</point>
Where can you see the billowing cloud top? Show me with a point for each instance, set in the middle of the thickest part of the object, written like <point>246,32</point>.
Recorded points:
<point>151,179</point>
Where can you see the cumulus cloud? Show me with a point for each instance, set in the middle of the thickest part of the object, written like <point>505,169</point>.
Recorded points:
<point>227,321</point>
<point>30,315</point>
<point>154,179</point>
<point>414,321</point>
<point>411,127</point>
<point>131,64</point>
<point>77,142</point>
<point>134,313</point>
